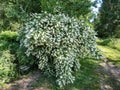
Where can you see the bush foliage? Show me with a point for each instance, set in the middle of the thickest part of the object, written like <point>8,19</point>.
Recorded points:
<point>7,67</point>
<point>57,42</point>
<point>8,35</point>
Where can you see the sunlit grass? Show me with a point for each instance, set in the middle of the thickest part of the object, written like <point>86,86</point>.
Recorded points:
<point>111,49</point>
<point>111,42</point>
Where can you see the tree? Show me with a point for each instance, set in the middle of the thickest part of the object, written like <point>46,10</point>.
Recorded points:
<point>74,8</point>
<point>109,18</point>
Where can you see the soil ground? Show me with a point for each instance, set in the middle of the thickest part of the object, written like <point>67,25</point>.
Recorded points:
<point>109,79</point>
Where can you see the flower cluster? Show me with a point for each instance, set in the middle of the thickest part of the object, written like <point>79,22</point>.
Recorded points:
<point>58,42</point>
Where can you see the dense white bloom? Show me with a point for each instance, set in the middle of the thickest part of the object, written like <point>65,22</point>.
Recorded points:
<point>57,41</point>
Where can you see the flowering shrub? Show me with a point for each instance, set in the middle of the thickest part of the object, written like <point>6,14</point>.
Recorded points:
<point>57,42</point>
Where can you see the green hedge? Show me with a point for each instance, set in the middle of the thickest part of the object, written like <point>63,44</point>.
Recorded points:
<point>8,35</point>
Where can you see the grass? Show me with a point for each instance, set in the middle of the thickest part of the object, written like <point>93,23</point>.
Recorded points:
<point>87,78</point>
<point>111,49</point>
<point>110,42</point>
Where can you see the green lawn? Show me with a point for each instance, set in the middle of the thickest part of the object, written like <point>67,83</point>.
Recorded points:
<point>111,49</point>
<point>87,78</point>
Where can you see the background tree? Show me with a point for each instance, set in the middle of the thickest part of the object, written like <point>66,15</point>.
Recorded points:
<point>19,10</point>
<point>16,11</point>
<point>74,8</point>
<point>108,19</point>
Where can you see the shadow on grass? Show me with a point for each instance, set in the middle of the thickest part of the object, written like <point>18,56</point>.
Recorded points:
<point>91,76</point>
<point>113,47</point>
<point>87,78</point>
<point>110,77</point>
<point>115,62</point>
<point>113,82</point>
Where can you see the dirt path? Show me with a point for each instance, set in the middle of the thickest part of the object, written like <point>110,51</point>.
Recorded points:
<point>24,83</point>
<point>27,83</point>
<point>110,76</point>
<point>109,79</point>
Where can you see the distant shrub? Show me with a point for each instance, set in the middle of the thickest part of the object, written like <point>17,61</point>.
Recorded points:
<point>105,41</point>
<point>8,35</point>
<point>57,42</point>
<point>111,42</point>
<point>7,67</point>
